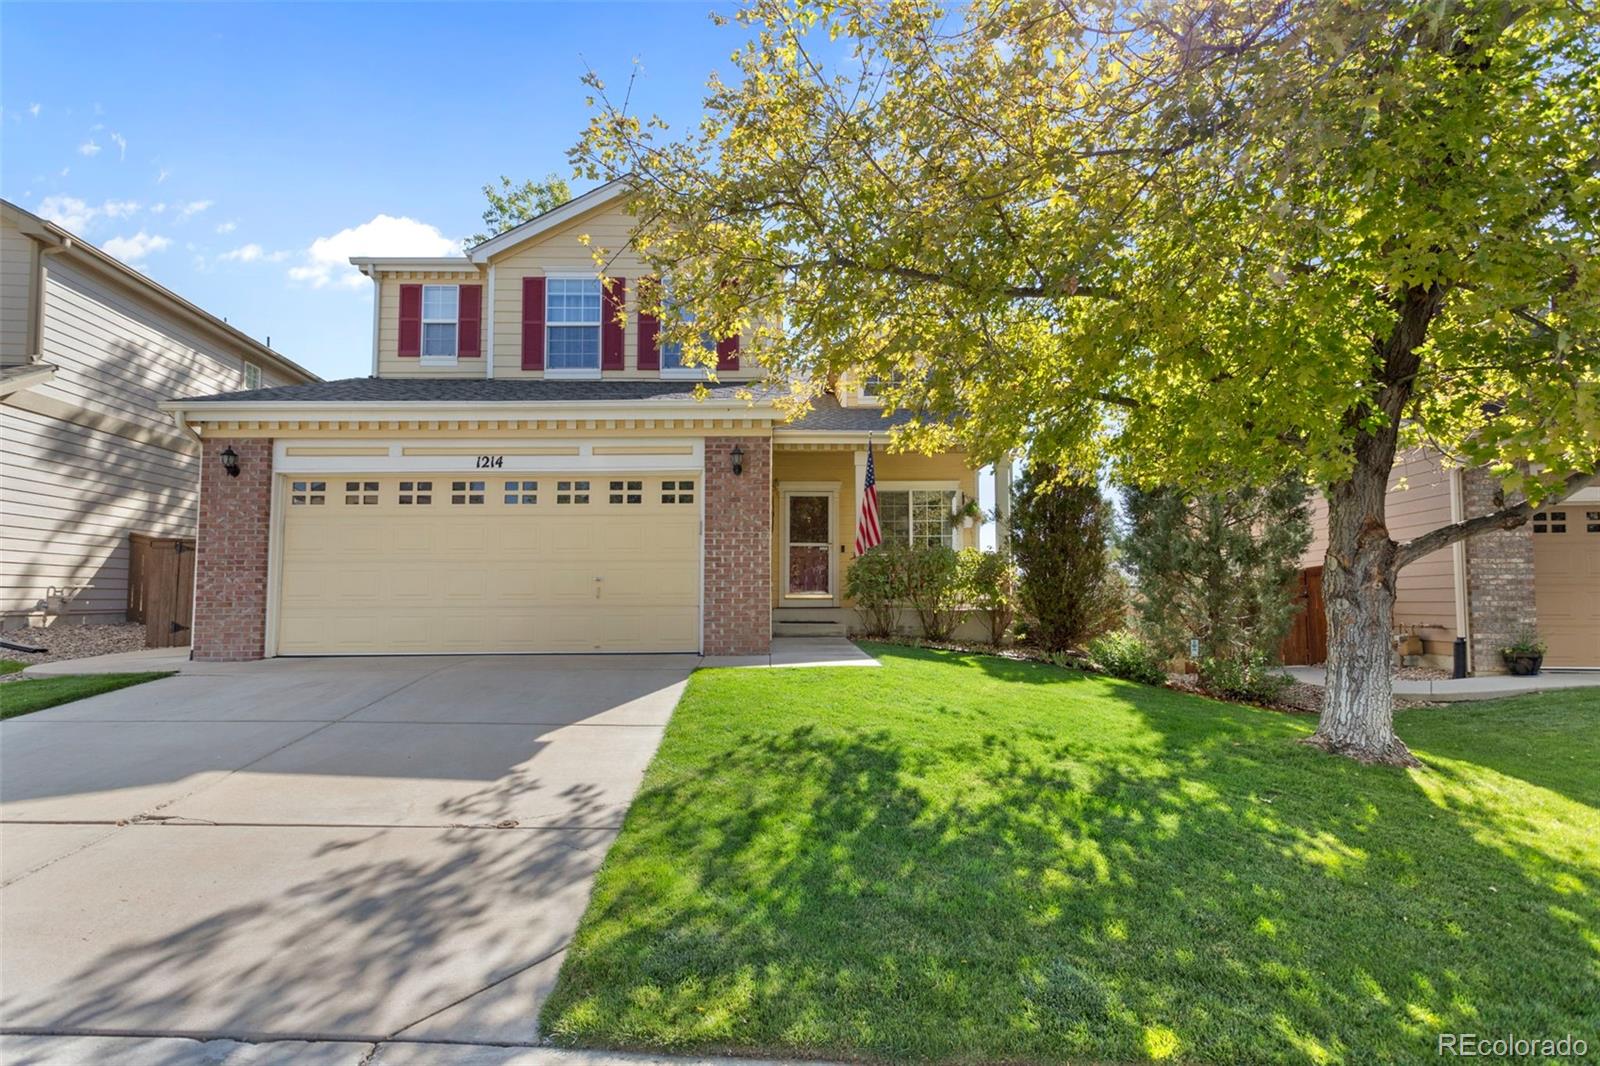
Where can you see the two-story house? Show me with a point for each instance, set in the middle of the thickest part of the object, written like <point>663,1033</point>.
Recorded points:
<point>527,470</point>
<point>89,348</point>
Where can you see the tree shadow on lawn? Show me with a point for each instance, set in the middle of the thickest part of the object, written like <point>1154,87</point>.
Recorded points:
<point>1207,890</point>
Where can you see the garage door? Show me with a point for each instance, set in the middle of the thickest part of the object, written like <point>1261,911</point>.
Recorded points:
<point>439,563</point>
<point>1566,568</point>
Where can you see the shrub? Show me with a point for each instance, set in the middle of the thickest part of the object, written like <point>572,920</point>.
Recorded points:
<point>1216,565</point>
<point>931,583</point>
<point>1254,677</point>
<point>1058,538</point>
<point>1128,655</point>
<point>989,583</point>
<point>876,582</point>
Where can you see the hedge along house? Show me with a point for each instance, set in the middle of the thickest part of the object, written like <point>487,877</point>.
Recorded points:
<point>1543,575</point>
<point>528,470</point>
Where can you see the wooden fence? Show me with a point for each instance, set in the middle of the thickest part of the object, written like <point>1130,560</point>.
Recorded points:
<point>1307,642</point>
<point>161,588</point>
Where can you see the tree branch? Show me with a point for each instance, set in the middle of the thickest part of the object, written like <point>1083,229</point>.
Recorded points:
<point>1505,518</point>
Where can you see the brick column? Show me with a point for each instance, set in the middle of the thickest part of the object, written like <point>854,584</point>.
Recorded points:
<point>738,546</point>
<point>230,572</point>
<point>1499,577</point>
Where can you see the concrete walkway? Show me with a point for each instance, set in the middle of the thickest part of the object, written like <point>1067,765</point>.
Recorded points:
<point>1487,687</point>
<point>785,652</point>
<point>21,1050</point>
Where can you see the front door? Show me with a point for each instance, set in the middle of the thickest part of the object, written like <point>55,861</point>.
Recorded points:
<point>808,555</point>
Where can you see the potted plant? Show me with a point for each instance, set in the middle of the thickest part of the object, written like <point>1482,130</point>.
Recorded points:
<point>1524,655</point>
<point>968,513</point>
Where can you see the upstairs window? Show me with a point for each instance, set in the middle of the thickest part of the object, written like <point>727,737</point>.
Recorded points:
<point>252,376</point>
<point>672,363</point>
<point>440,320</point>
<point>572,316</point>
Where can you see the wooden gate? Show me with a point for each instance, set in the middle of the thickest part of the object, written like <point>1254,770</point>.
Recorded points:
<point>161,588</point>
<point>1307,642</point>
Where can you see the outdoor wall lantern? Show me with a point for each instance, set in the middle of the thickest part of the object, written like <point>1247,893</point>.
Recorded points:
<point>737,455</point>
<point>230,461</point>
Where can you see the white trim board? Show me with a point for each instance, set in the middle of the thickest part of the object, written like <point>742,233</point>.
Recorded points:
<point>664,455</point>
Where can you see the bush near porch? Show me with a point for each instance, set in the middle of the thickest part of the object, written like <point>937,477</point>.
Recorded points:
<point>968,858</point>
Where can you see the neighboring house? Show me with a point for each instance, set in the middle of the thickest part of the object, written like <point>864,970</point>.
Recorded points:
<point>88,349</point>
<point>523,473</point>
<point>1544,575</point>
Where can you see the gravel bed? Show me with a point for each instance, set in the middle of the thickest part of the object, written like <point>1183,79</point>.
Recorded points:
<point>72,642</point>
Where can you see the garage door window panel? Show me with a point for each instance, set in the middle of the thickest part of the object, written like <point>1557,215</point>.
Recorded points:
<point>468,493</point>
<point>361,493</point>
<point>521,493</point>
<point>676,492</point>
<point>414,493</point>
<point>627,492</point>
<point>307,493</point>
<point>572,492</point>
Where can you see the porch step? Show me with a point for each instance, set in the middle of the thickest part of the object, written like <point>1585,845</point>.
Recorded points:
<point>806,628</point>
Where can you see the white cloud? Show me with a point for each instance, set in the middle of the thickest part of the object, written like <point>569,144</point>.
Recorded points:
<point>227,228</point>
<point>327,261</point>
<point>89,148</point>
<point>75,214</point>
<point>66,211</point>
<point>162,175</point>
<point>122,146</point>
<point>248,253</point>
<point>34,109</point>
<point>193,207</point>
<point>65,171</point>
<point>158,209</point>
<point>132,249</point>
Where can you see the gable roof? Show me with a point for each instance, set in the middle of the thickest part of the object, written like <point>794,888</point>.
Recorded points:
<point>614,189</point>
<point>82,252</point>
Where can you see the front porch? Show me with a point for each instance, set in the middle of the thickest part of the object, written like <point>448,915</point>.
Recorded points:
<point>816,500</point>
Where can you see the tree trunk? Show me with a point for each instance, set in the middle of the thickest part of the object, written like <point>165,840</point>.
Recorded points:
<point>1358,583</point>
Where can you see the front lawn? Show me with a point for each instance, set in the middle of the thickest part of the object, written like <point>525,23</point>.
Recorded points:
<point>35,694</point>
<point>959,857</point>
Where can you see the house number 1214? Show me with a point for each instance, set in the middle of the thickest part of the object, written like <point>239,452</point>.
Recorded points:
<point>491,462</point>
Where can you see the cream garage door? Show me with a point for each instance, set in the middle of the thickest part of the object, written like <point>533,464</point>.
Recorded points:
<point>1566,583</point>
<point>442,563</point>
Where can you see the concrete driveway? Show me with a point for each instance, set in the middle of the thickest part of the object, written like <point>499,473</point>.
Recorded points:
<point>358,849</point>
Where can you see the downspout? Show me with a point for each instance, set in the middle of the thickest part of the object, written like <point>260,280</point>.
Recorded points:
<point>377,317</point>
<point>1458,562</point>
<point>488,362</point>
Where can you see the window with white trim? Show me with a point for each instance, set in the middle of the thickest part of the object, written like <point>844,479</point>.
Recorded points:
<point>919,517</point>
<point>572,324</point>
<point>252,376</point>
<point>441,306</point>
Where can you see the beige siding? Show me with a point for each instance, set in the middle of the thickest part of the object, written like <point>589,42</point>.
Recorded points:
<point>88,457</point>
<point>390,365</point>
<point>18,262</point>
<point>1419,500</point>
<point>561,251</point>
<point>837,467</point>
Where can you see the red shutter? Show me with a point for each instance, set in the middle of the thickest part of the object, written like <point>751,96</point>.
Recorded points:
<point>728,353</point>
<point>613,298</point>
<point>470,327</point>
<point>649,325</point>
<point>533,323</point>
<point>410,321</point>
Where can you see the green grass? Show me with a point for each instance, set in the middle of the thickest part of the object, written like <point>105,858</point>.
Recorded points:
<point>11,666</point>
<point>968,859</point>
<point>35,694</point>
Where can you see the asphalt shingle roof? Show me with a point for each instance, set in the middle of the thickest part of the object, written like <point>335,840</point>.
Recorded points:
<point>826,414</point>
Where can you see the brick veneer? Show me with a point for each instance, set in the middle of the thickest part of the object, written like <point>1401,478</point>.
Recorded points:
<point>738,545</point>
<point>1499,577</point>
<point>230,572</point>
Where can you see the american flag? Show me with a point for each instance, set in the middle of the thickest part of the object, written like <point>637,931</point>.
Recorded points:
<point>868,535</point>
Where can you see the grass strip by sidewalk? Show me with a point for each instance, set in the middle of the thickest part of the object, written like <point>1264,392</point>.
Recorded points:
<point>36,694</point>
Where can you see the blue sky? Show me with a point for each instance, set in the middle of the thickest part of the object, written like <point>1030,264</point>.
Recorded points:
<point>213,146</point>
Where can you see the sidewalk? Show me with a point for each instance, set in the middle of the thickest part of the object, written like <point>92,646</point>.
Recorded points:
<point>1487,687</point>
